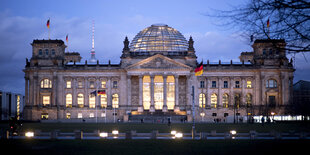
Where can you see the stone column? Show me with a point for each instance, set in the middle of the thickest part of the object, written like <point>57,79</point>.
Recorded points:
<point>31,87</point>
<point>232,97</point>
<point>97,96</point>
<point>189,92</point>
<point>54,91</point>
<point>37,91</point>
<point>219,97</point>
<point>176,88</point>
<point>165,109</point>
<point>128,91</point>
<point>208,100</point>
<point>243,95</point>
<point>26,91</point>
<point>152,108</point>
<point>74,95</point>
<point>109,93</point>
<point>86,95</point>
<point>140,108</point>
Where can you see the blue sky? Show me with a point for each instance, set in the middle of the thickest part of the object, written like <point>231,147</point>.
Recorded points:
<point>22,21</point>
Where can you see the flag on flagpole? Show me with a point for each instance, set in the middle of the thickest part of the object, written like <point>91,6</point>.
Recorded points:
<point>48,23</point>
<point>101,92</point>
<point>67,38</point>
<point>199,69</point>
<point>94,93</point>
<point>268,23</point>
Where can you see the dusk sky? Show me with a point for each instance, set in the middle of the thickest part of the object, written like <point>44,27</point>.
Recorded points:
<point>21,21</point>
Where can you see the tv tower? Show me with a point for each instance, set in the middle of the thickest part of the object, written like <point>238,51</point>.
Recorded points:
<point>92,52</point>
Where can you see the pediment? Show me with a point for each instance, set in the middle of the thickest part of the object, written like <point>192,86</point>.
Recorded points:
<point>158,62</point>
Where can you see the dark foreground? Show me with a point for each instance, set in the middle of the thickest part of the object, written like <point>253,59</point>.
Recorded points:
<point>31,146</point>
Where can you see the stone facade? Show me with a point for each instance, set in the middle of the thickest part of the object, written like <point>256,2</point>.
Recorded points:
<point>57,90</point>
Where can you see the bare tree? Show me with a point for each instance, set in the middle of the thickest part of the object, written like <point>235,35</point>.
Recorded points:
<point>288,19</point>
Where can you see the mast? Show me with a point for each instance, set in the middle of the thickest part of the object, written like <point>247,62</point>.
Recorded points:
<point>92,52</point>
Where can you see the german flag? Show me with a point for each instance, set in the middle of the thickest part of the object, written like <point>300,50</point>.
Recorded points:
<point>268,23</point>
<point>48,23</point>
<point>101,92</point>
<point>199,69</point>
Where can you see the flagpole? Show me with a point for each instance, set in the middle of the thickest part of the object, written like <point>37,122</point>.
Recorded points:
<point>193,111</point>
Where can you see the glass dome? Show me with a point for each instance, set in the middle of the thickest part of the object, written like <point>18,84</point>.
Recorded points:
<point>159,38</point>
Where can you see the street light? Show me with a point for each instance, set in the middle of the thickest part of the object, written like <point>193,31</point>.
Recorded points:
<point>103,134</point>
<point>29,134</point>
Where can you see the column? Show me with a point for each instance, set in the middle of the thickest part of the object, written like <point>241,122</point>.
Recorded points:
<point>232,97</point>
<point>243,86</point>
<point>219,94</point>
<point>165,94</point>
<point>26,91</point>
<point>74,95</point>
<point>109,93</point>
<point>128,91</point>
<point>152,108</point>
<point>37,91</point>
<point>54,89</point>
<point>97,96</point>
<point>189,93</point>
<point>140,108</point>
<point>176,84</point>
<point>31,92</point>
<point>86,95</point>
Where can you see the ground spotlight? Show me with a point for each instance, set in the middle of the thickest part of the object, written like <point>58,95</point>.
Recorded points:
<point>103,134</point>
<point>29,134</point>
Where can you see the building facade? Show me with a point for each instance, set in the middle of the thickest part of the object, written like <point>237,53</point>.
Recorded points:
<point>11,105</point>
<point>155,80</point>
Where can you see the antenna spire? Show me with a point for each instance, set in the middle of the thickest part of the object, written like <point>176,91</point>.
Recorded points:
<point>92,52</point>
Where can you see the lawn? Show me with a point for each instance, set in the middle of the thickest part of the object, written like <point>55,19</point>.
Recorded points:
<point>163,128</point>
<point>31,146</point>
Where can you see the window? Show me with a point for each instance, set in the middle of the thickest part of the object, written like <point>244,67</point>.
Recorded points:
<point>158,92</point>
<point>237,101</point>
<point>270,52</point>
<point>202,100</point>
<point>80,100</point>
<point>91,115</point>
<point>103,84</point>
<point>103,101</point>
<point>40,52</point>
<point>92,101</point>
<point>225,100</point>
<point>91,84</point>
<point>213,100</point>
<point>271,83</point>
<point>103,115</point>
<point>46,83</point>
<point>80,115</point>
<point>225,114</point>
<point>69,100</point>
<point>170,92</point>
<point>237,84</point>
<point>249,84</point>
<point>248,99</point>
<point>146,88</point>
<point>44,116</point>
<point>115,101</point>
<point>80,84</point>
<point>68,84</point>
<point>225,84</point>
<point>68,115</point>
<point>46,100</point>
<point>213,84</point>
<point>272,101</point>
<point>46,51</point>
<point>53,52</point>
<point>202,84</point>
<point>114,84</point>
<point>264,51</point>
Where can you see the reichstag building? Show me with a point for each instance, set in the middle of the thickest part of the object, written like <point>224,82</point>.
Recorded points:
<point>153,82</point>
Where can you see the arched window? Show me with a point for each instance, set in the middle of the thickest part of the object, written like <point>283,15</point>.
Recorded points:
<point>103,101</point>
<point>248,99</point>
<point>115,101</point>
<point>271,83</point>
<point>92,101</point>
<point>202,100</point>
<point>69,100</point>
<point>46,51</point>
<point>237,101</point>
<point>40,52</point>
<point>80,100</point>
<point>225,100</point>
<point>46,83</point>
<point>213,100</point>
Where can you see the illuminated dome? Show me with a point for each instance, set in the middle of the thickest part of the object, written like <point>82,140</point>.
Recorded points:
<point>159,38</point>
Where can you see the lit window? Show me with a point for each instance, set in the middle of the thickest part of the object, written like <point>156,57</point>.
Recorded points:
<point>114,84</point>
<point>225,84</point>
<point>68,115</point>
<point>103,114</point>
<point>80,84</point>
<point>69,100</point>
<point>202,100</point>
<point>103,100</point>
<point>80,100</point>
<point>18,107</point>
<point>170,92</point>
<point>271,83</point>
<point>103,84</point>
<point>46,83</point>
<point>46,100</point>
<point>225,100</point>
<point>115,101</point>
<point>91,115</point>
<point>146,92</point>
<point>249,84</point>
<point>92,101</point>
<point>237,101</point>
<point>44,116</point>
<point>248,99</point>
<point>237,84</point>
<point>68,84</point>
<point>213,84</point>
<point>202,84</point>
<point>213,100</point>
<point>80,115</point>
<point>158,92</point>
